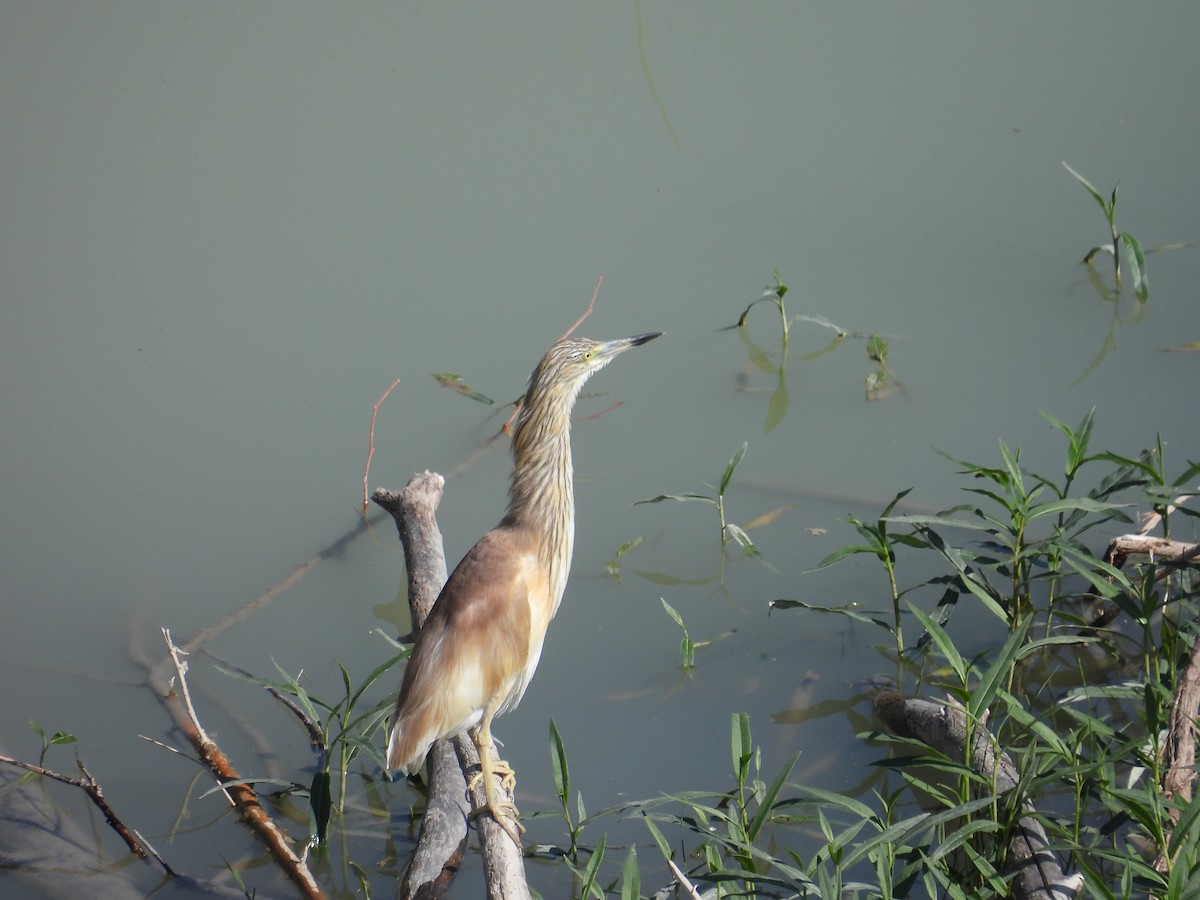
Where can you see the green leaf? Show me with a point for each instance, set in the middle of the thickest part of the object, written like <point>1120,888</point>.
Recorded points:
<point>1137,264</point>
<point>996,675</point>
<point>376,673</point>
<point>938,635</point>
<point>743,540</point>
<point>930,521</point>
<point>850,610</point>
<point>766,806</point>
<point>970,580</point>
<point>1078,438</point>
<point>675,617</point>
<point>1085,504</point>
<point>588,878</point>
<point>663,847</point>
<point>733,464</point>
<point>320,799</point>
<point>777,406</point>
<point>877,349</point>
<point>627,546</point>
<point>841,553</point>
<point>558,765</point>
<point>631,879</point>
<point>661,497</point>
<point>455,383</point>
<point>741,745</point>
<point>1091,190</point>
<point>687,653</point>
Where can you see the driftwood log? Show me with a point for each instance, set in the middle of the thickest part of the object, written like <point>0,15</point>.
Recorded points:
<point>1179,745</point>
<point>1037,874</point>
<point>443,836</point>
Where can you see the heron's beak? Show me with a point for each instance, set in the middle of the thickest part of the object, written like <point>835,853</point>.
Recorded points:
<point>612,348</point>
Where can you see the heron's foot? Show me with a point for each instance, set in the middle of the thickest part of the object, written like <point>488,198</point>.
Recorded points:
<point>501,809</point>
<point>501,769</point>
<point>506,815</point>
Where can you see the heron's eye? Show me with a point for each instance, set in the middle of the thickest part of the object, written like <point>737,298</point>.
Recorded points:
<point>588,354</point>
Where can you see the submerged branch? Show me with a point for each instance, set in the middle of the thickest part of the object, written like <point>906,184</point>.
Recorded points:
<point>1037,872</point>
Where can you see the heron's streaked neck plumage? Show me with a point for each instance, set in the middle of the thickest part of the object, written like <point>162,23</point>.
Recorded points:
<point>541,498</point>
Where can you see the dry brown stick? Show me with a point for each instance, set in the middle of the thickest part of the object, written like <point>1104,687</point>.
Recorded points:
<point>1037,873</point>
<point>90,786</point>
<point>371,443</point>
<point>1160,550</point>
<point>444,827</point>
<point>242,797</point>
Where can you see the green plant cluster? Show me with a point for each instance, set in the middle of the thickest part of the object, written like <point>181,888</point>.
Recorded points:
<point>1077,691</point>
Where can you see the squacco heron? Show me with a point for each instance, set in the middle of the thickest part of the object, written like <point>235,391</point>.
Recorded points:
<point>480,645</point>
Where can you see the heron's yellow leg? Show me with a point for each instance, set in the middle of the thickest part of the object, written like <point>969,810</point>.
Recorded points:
<point>504,811</point>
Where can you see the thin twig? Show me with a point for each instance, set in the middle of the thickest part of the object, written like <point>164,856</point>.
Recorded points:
<point>505,428</point>
<point>371,445</point>
<point>587,312</point>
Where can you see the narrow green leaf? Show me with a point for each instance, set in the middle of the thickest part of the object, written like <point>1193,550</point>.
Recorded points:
<point>631,878</point>
<point>850,610</point>
<point>320,800</point>
<point>675,617</point>
<point>375,674</point>
<point>938,635</point>
<point>1070,504</point>
<point>455,383</point>
<point>1137,264</point>
<point>743,540</point>
<point>741,745</point>
<point>588,878</point>
<point>1091,190</point>
<point>682,497</point>
<point>628,546</point>
<point>842,553</point>
<point>558,765</point>
<point>663,847</point>
<point>777,406</point>
<point>943,521</point>
<point>996,675</point>
<point>733,464</point>
<point>766,806</point>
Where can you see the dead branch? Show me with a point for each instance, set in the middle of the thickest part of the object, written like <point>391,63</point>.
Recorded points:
<point>371,443</point>
<point>1038,875</point>
<point>242,797</point>
<point>90,786</point>
<point>1172,555</point>
<point>444,826</point>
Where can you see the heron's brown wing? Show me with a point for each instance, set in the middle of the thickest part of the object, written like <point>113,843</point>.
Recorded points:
<point>474,646</point>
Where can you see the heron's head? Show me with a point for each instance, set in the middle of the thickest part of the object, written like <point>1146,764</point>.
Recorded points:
<point>571,362</point>
<point>562,372</point>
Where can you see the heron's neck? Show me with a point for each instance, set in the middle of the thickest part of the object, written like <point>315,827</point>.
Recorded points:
<point>541,499</point>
